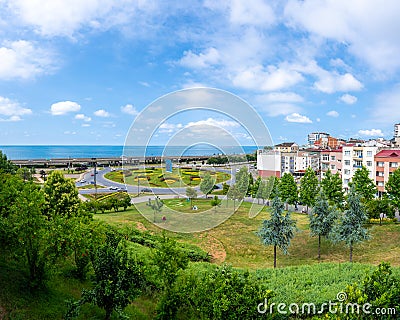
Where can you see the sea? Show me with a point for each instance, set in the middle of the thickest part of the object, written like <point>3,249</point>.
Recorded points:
<point>31,152</point>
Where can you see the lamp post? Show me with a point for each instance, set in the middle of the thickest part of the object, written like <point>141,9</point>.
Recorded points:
<point>95,176</point>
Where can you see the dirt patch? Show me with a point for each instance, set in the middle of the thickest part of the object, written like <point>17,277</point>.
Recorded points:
<point>140,226</point>
<point>214,247</point>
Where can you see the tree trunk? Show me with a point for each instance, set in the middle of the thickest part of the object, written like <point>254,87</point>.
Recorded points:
<point>108,314</point>
<point>319,248</point>
<point>275,256</point>
<point>351,252</point>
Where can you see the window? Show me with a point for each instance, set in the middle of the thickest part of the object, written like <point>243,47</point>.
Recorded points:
<point>393,164</point>
<point>369,153</point>
<point>346,181</point>
<point>333,158</point>
<point>380,183</point>
<point>369,163</point>
<point>346,162</point>
<point>347,153</point>
<point>347,171</point>
<point>333,167</point>
<point>379,164</point>
<point>379,174</point>
<point>358,163</point>
<point>325,157</point>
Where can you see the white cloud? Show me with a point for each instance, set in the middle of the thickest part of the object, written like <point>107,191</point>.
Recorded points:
<point>23,60</point>
<point>12,110</point>
<point>368,29</point>
<point>278,109</point>
<point>102,113</point>
<point>81,116</point>
<point>129,109</point>
<point>220,123</point>
<point>295,117</point>
<point>202,60</point>
<point>281,97</point>
<point>64,107</point>
<point>266,79</point>
<point>333,114</point>
<point>371,133</point>
<point>348,98</point>
<point>85,125</point>
<point>386,106</point>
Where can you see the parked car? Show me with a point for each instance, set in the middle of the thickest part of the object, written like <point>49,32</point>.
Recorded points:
<point>113,188</point>
<point>145,190</point>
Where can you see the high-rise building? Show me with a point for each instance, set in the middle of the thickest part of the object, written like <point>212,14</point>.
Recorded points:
<point>315,136</point>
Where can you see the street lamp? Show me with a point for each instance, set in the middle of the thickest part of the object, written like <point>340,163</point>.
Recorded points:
<point>95,171</point>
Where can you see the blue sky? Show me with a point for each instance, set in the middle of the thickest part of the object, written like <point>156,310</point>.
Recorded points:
<point>79,72</point>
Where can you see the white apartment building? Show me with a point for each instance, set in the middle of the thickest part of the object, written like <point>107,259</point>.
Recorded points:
<point>353,158</point>
<point>314,136</point>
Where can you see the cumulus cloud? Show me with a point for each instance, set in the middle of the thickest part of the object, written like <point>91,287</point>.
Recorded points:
<point>333,114</point>
<point>220,123</point>
<point>295,117</point>
<point>23,60</point>
<point>12,110</point>
<point>102,113</point>
<point>81,116</point>
<point>281,97</point>
<point>348,98</point>
<point>367,28</point>
<point>371,133</point>
<point>64,107</point>
<point>129,109</point>
<point>278,109</point>
<point>202,60</point>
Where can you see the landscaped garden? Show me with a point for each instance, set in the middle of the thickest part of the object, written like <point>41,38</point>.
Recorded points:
<point>158,177</point>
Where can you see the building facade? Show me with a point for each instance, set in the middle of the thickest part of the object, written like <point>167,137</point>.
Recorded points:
<point>386,161</point>
<point>331,160</point>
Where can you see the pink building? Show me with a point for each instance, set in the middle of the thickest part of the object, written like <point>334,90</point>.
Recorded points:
<point>332,160</point>
<point>386,161</point>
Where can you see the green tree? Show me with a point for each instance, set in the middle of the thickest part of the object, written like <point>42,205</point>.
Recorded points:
<point>207,184</point>
<point>10,188</point>
<point>393,188</point>
<point>225,188</point>
<point>322,219</point>
<point>170,259</point>
<point>273,187</point>
<point>242,180</point>
<point>331,184</point>
<point>29,229</point>
<point>191,193</point>
<point>308,188</point>
<point>6,166</point>
<point>377,206</point>
<point>235,194</point>
<point>156,205</point>
<point>216,202</point>
<point>61,196</point>
<point>125,202</point>
<point>350,227</point>
<point>288,189</point>
<point>118,278</point>
<point>381,289</point>
<point>279,230</point>
<point>363,185</point>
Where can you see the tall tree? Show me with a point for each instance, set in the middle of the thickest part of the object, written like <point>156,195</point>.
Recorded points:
<point>332,186</point>
<point>61,196</point>
<point>272,189</point>
<point>308,188</point>
<point>216,202</point>
<point>393,188</point>
<point>191,193</point>
<point>235,194</point>
<point>288,189</point>
<point>350,228</point>
<point>118,278</point>
<point>207,184</point>
<point>156,205</point>
<point>6,165</point>
<point>322,218</point>
<point>30,231</point>
<point>242,180</point>
<point>363,184</point>
<point>279,230</point>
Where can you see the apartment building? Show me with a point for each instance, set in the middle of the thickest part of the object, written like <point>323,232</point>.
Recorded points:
<point>315,136</point>
<point>305,159</point>
<point>386,161</point>
<point>329,143</point>
<point>354,156</point>
<point>287,147</point>
<point>269,163</point>
<point>331,160</point>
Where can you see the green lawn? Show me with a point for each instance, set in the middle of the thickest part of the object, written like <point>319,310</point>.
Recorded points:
<point>234,241</point>
<point>157,177</point>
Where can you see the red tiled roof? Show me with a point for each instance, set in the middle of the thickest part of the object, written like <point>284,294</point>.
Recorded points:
<point>388,154</point>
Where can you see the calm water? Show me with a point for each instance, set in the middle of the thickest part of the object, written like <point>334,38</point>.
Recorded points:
<point>54,152</point>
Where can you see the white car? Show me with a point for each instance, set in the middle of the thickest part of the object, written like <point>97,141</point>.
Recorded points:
<point>82,181</point>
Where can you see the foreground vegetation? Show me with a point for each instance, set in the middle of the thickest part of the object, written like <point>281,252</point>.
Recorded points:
<point>60,259</point>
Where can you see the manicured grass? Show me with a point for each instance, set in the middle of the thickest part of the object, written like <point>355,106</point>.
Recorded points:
<point>236,242</point>
<point>158,177</point>
<point>90,186</point>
